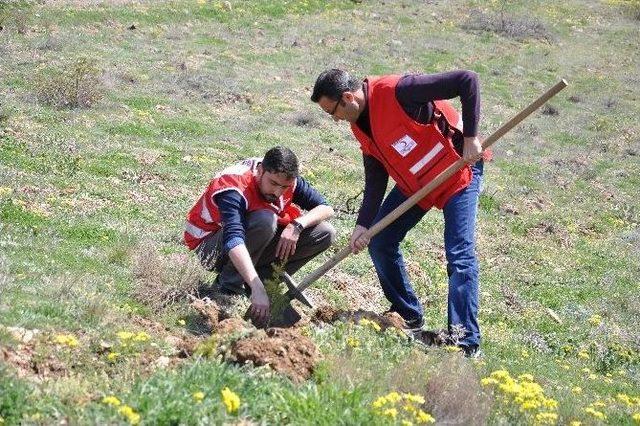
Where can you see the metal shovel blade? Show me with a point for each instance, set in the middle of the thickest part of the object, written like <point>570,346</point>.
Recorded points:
<point>293,292</point>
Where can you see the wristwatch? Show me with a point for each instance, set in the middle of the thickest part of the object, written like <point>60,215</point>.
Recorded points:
<point>297,225</point>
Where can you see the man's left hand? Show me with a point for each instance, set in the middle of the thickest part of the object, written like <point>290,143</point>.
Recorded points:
<point>288,242</point>
<point>472,150</point>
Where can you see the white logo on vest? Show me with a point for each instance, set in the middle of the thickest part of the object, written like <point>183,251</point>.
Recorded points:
<point>404,145</point>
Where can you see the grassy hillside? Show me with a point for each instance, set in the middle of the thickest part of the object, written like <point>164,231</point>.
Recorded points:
<point>114,116</point>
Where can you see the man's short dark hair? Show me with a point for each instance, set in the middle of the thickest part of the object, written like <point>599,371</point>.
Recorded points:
<point>281,160</point>
<point>333,83</point>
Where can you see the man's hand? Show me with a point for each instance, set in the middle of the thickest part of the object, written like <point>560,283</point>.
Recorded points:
<point>260,308</point>
<point>359,239</point>
<point>472,150</point>
<point>288,242</point>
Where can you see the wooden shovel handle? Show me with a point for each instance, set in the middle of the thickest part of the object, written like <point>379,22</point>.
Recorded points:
<point>446,174</point>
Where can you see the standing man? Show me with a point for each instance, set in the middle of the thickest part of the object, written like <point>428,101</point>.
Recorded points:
<point>408,131</point>
<point>249,216</point>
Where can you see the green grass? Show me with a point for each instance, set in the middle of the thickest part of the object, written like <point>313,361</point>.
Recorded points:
<point>86,193</point>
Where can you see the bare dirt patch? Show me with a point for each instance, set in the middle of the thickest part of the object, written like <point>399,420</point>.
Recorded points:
<point>30,365</point>
<point>285,351</point>
<point>329,315</point>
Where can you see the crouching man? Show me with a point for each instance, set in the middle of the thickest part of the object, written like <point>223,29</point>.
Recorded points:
<point>251,215</point>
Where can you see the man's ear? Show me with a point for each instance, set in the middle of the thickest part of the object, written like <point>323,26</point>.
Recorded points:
<point>347,96</point>
<point>259,169</point>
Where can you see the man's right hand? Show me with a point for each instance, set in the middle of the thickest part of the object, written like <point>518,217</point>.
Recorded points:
<point>359,239</point>
<point>260,308</point>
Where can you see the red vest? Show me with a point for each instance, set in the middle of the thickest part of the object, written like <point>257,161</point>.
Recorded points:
<point>412,153</point>
<point>204,217</point>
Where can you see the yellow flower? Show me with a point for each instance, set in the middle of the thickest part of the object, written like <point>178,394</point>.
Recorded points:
<point>369,323</point>
<point>4,190</point>
<point>595,413</point>
<point>575,423</point>
<point>525,377</point>
<point>198,396</point>
<point>636,417</point>
<point>113,356</point>
<point>546,418</point>
<point>378,403</point>
<point>391,412</point>
<point>181,322</point>
<point>488,381</point>
<point>598,404</point>
<point>451,348</point>
<point>130,414</point>
<point>524,353</point>
<point>583,354</point>
<point>418,399</point>
<point>66,339</point>
<point>425,418</point>
<point>111,400</point>
<point>500,375</point>
<point>406,423</point>
<point>623,397</point>
<point>595,320</point>
<point>576,390</point>
<point>124,335</point>
<point>410,408</point>
<point>393,397</point>
<point>141,337</point>
<point>231,400</point>
<point>353,342</point>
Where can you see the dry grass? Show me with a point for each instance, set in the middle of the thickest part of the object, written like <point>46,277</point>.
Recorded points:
<point>73,85</point>
<point>451,389</point>
<point>163,281</point>
<point>518,28</point>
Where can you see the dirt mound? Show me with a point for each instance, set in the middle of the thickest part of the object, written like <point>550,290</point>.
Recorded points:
<point>285,351</point>
<point>30,366</point>
<point>328,314</point>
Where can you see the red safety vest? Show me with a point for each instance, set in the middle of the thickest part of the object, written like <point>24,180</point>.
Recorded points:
<point>412,153</point>
<point>204,217</point>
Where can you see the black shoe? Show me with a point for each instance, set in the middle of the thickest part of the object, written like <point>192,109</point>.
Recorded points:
<point>472,351</point>
<point>414,324</point>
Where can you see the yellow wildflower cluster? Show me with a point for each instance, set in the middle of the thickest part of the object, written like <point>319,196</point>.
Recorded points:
<point>111,400</point>
<point>128,412</point>
<point>595,320</point>
<point>231,400</point>
<point>525,393</point>
<point>368,323</point>
<point>403,408</point>
<point>66,340</point>
<point>136,337</point>
<point>353,342</point>
<point>595,413</point>
<point>198,396</point>
<point>629,401</point>
<point>636,418</point>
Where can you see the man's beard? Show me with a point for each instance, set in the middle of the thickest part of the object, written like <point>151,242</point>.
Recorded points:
<point>270,198</point>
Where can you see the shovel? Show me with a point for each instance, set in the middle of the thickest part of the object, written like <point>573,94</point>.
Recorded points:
<point>289,316</point>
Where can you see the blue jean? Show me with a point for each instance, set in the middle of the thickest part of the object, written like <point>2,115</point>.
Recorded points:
<point>462,265</point>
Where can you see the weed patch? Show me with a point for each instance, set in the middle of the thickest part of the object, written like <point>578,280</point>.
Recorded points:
<point>505,24</point>
<point>72,85</point>
<point>161,282</point>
